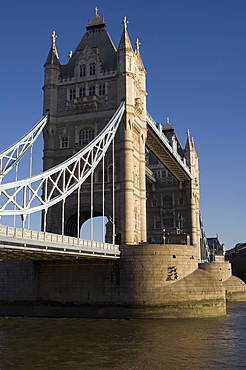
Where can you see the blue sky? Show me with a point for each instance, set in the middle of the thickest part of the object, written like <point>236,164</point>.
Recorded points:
<point>194,52</point>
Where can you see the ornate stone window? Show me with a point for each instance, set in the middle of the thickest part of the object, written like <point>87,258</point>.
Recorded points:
<point>167,200</point>
<point>82,70</point>
<point>72,94</point>
<point>154,203</point>
<point>158,224</point>
<point>168,222</point>
<point>102,89</point>
<point>92,90</point>
<point>81,92</point>
<point>64,139</point>
<point>92,69</point>
<point>161,174</point>
<point>64,143</point>
<point>86,134</point>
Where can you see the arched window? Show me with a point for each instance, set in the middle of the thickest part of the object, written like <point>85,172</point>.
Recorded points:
<point>102,89</point>
<point>92,90</point>
<point>167,200</point>
<point>86,134</point>
<point>82,92</point>
<point>82,70</point>
<point>72,94</point>
<point>92,69</point>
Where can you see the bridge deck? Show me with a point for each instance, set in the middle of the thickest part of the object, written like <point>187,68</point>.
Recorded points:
<point>159,145</point>
<point>23,244</point>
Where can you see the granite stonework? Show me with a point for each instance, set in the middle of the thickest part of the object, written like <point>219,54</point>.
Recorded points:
<point>148,281</point>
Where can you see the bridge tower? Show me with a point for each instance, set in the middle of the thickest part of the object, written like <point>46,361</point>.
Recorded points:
<point>81,97</point>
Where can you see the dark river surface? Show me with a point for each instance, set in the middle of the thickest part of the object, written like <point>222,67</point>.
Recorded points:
<point>65,343</point>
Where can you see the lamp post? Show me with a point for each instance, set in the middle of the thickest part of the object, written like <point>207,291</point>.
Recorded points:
<point>164,236</point>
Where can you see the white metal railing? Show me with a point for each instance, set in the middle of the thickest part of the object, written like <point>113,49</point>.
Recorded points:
<point>54,242</point>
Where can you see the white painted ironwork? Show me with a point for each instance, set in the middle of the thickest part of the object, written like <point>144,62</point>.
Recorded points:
<point>12,155</point>
<point>60,181</point>
<point>157,128</point>
<point>39,241</point>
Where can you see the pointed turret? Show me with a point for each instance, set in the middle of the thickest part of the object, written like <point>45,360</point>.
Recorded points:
<point>51,76</point>
<point>53,57</point>
<point>189,143</point>
<point>125,43</point>
<point>190,152</point>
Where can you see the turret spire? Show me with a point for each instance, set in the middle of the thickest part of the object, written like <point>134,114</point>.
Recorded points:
<point>53,57</point>
<point>189,143</point>
<point>125,43</point>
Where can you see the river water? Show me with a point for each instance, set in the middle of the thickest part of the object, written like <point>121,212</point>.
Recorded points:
<point>65,343</point>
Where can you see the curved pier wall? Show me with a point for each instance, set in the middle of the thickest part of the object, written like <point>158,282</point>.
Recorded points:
<point>221,271</point>
<point>148,281</point>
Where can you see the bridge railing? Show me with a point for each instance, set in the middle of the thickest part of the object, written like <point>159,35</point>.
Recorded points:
<point>25,237</point>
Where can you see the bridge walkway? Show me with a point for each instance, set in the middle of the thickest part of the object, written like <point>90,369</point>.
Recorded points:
<point>23,244</point>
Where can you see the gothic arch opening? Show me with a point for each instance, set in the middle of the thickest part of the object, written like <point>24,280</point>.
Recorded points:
<point>97,225</point>
<point>98,228</point>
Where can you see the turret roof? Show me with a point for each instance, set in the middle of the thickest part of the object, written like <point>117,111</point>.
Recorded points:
<point>125,43</point>
<point>189,142</point>
<point>96,36</point>
<point>53,57</point>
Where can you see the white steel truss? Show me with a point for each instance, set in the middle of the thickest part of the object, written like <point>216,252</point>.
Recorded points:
<point>60,181</point>
<point>12,155</point>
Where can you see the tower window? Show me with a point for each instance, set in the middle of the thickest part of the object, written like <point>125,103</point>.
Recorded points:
<point>82,92</point>
<point>86,135</point>
<point>64,142</point>
<point>92,90</point>
<point>168,222</point>
<point>157,224</point>
<point>82,70</point>
<point>92,69</point>
<point>72,94</point>
<point>154,203</point>
<point>102,89</point>
<point>167,200</point>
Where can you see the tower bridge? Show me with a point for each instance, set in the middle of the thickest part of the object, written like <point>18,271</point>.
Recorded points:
<point>98,137</point>
<point>104,155</point>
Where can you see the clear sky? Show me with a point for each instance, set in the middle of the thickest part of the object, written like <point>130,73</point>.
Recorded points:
<point>194,52</point>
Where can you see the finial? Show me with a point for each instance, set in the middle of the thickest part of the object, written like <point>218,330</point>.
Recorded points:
<point>188,134</point>
<point>125,21</point>
<point>96,20</point>
<point>53,37</point>
<point>137,45</point>
<point>167,120</point>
